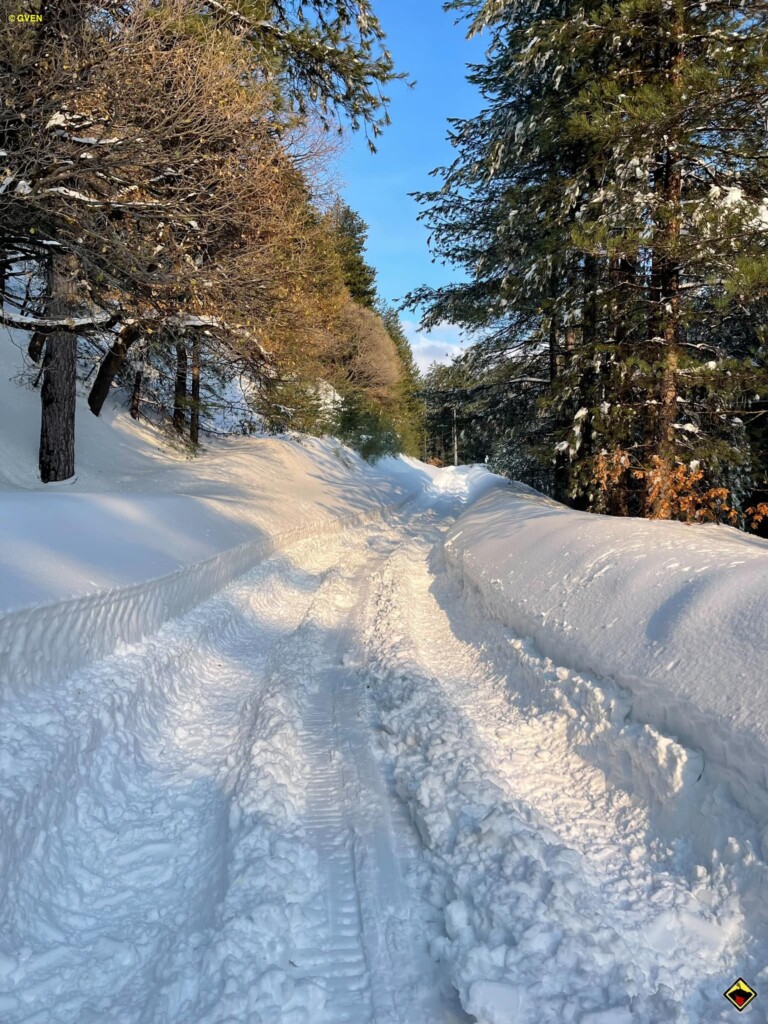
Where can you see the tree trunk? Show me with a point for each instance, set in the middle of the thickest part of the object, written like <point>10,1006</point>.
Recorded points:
<point>669,179</point>
<point>562,480</point>
<point>553,347</point>
<point>110,366</point>
<point>660,507</point>
<point>589,381</point>
<point>59,391</point>
<point>194,421</point>
<point>37,341</point>
<point>180,391</point>
<point>136,395</point>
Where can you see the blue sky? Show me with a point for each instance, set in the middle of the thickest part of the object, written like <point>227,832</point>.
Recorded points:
<point>426,42</point>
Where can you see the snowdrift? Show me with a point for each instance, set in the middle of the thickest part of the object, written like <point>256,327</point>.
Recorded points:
<point>676,614</point>
<point>82,572</point>
<point>145,533</point>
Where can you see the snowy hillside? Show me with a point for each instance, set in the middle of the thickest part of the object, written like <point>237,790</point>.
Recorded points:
<point>145,532</point>
<point>289,739</point>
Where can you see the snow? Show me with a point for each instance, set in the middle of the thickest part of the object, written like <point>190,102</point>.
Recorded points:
<point>143,533</point>
<point>584,866</point>
<point>289,739</point>
<point>676,615</point>
<point>495,1003</point>
<point>34,323</point>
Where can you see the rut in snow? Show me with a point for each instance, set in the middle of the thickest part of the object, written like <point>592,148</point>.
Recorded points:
<point>336,793</point>
<point>196,828</point>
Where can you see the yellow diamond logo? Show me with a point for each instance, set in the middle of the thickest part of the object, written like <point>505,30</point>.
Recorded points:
<point>740,994</point>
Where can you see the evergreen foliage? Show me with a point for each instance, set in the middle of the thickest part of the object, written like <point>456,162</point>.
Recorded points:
<point>350,233</point>
<point>366,426</point>
<point>610,208</point>
<point>330,56</point>
<point>407,405</point>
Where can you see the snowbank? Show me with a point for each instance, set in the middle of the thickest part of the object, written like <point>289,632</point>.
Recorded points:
<point>145,533</point>
<point>464,484</point>
<point>82,572</point>
<point>678,615</point>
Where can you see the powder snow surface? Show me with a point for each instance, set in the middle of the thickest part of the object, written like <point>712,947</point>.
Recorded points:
<point>274,751</point>
<point>678,615</point>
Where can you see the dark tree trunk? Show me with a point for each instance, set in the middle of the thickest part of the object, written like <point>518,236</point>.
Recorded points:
<point>36,346</point>
<point>57,429</point>
<point>37,341</point>
<point>111,365</point>
<point>589,379</point>
<point>553,348</point>
<point>136,395</point>
<point>661,506</point>
<point>665,282</point>
<point>180,391</point>
<point>562,481</point>
<point>194,422</point>
<point>670,281</point>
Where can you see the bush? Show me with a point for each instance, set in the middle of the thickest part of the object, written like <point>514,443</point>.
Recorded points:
<point>366,427</point>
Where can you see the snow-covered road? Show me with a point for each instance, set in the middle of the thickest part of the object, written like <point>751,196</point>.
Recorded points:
<point>336,793</point>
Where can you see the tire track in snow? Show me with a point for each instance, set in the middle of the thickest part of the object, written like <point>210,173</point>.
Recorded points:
<point>338,956</point>
<point>225,846</point>
<point>222,849</point>
<point>608,926</point>
<point>367,946</point>
<point>116,882</point>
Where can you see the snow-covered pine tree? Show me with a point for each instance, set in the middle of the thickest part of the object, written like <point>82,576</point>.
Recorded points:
<point>505,213</point>
<point>675,122</point>
<point>609,204</point>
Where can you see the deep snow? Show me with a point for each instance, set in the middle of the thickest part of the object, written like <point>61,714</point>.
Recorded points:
<point>144,532</point>
<point>334,769</point>
<point>677,615</point>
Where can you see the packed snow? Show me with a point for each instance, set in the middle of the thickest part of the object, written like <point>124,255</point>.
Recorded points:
<point>289,739</point>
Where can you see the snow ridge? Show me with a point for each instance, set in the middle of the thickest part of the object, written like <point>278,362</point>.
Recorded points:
<point>41,642</point>
<point>676,615</point>
<point>584,870</point>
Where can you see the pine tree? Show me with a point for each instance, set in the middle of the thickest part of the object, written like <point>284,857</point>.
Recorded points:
<point>328,55</point>
<point>409,414</point>
<point>609,207</point>
<point>350,233</point>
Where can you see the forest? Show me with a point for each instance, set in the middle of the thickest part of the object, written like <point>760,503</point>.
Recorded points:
<point>609,207</point>
<point>168,221</point>
<point>170,226</point>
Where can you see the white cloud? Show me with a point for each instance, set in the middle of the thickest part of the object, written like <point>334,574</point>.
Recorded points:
<point>440,345</point>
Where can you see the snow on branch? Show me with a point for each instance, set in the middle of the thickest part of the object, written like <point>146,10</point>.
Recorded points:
<point>91,201</point>
<point>248,23</point>
<point>45,325</point>
<point>190,320</point>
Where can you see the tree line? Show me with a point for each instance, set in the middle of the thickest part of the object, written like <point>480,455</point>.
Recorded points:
<point>609,206</point>
<point>165,221</point>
